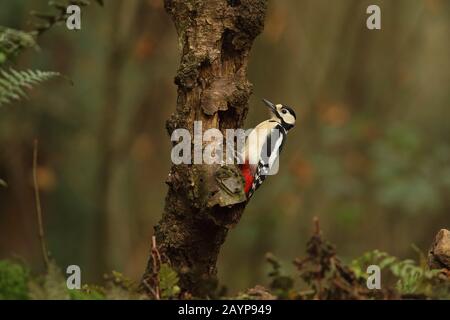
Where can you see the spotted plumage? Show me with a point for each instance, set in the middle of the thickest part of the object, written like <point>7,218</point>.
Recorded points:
<point>263,146</point>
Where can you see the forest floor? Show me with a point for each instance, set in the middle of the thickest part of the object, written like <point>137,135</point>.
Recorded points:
<point>320,275</point>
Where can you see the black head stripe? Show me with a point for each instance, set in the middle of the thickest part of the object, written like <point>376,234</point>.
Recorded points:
<point>278,116</point>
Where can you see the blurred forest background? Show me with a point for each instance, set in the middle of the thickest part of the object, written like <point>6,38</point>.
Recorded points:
<point>370,156</point>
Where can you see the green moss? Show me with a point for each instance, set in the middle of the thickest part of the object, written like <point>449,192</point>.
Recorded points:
<point>87,293</point>
<point>168,282</point>
<point>13,281</point>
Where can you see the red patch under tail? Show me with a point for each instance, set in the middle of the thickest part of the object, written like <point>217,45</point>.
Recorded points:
<point>248,176</point>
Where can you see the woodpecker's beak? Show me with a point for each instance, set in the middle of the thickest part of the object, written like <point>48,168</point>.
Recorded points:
<point>270,105</point>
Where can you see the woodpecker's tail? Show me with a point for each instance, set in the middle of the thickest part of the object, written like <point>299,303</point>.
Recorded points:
<point>261,173</point>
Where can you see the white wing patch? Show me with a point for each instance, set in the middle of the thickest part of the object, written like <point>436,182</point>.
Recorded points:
<point>274,156</point>
<point>268,160</point>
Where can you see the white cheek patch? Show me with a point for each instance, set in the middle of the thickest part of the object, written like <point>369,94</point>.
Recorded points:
<point>290,119</point>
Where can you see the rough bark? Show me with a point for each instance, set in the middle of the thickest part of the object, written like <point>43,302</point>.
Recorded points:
<point>204,201</point>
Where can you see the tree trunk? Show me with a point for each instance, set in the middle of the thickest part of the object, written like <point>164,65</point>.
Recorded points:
<point>204,201</point>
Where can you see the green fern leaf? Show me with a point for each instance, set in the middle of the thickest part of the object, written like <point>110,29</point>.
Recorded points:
<point>13,83</point>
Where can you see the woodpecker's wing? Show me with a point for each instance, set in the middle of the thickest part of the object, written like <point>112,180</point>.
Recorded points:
<point>269,156</point>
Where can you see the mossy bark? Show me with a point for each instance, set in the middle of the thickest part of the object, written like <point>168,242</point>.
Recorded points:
<point>215,40</point>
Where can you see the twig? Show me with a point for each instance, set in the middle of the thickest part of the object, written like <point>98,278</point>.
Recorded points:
<point>316,226</point>
<point>155,251</point>
<point>156,257</point>
<point>38,206</point>
<point>149,288</point>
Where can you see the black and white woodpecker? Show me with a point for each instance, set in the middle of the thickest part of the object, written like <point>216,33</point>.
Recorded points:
<point>263,146</point>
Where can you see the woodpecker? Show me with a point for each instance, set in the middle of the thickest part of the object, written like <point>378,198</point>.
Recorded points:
<point>263,146</point>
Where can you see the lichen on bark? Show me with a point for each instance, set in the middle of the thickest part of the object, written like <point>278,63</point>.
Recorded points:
<point>204,201</point>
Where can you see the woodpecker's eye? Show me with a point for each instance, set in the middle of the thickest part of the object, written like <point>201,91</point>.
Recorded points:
<point>284,111</point>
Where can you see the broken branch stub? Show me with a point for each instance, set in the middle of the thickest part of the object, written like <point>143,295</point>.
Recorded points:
<point>439,253</point>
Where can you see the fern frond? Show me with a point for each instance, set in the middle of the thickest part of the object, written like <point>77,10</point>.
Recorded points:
<point>58,15</point>
<point>14,83</point>
<point>12,41</point>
